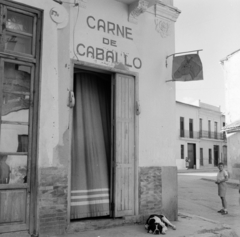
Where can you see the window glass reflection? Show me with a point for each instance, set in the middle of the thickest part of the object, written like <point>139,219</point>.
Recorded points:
<point>16,88</point>
<point>13,169</point>
<point>19,22</point>
<point>20,44</point>
<point>14,138</point>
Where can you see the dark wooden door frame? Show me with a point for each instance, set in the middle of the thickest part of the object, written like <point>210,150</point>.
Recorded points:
<point>107,70</point>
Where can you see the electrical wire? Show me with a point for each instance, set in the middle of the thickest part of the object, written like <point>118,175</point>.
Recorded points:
<point>74,29</point>
<point>61,2</point>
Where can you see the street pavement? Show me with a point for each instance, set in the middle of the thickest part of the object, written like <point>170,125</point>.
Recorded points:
<point>198,205</point>
<point>187,226</point>
<point>198,196</point>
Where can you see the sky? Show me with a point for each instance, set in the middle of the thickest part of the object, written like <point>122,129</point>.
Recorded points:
<point>214,26</point>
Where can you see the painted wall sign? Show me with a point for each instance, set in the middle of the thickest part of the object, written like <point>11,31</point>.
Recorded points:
<point>105,53</point>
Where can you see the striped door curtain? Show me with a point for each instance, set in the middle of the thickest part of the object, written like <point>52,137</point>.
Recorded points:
<point>91,148</point>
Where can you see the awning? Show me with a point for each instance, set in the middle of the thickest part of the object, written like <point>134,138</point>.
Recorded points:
<point>232,127</point>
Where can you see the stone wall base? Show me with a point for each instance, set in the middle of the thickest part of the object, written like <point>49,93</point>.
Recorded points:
<point>158,188</point>
<point>16,234</point>
<point>86,225</point>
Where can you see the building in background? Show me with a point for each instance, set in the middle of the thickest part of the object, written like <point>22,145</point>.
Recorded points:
<point>231,69</point>
<point>199,135</point>
<point>87,118</point>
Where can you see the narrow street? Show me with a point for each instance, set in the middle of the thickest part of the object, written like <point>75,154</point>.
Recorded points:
<point>199,197</point>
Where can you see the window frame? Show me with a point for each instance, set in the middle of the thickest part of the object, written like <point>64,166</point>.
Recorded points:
<point>210,156</point>
<point>182,127</point>
<point>200,127</point>
<point>30,118</point>
<point>201,157</point>
<point>209,128</point>
<point>34,58</point>
<point>191,128</point>
<point>5,31</point>
<point>215,129</point>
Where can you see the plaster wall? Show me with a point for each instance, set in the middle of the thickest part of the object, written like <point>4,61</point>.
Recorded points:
<point>232,89</point>
<point>187,112</point>
<point>209,144</point>
<point>181,163</point>
<point>213,116</point>
<point>234,155</point>
<point>157,136</point>
<point>206,112</point>
<point>157,98</point>
<point>54,84</point>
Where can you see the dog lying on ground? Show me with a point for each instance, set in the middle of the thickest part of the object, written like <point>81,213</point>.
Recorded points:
<point>157,224</point>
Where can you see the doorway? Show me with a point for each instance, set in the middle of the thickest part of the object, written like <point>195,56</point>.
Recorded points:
<point>192,155</point>
<point>91,145</point>
<point>103,145</point>
<point>201,156</point>
<point>216,154</point>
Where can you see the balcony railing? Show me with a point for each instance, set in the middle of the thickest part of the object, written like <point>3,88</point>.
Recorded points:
<point>202,134</point>
<point>189,134</point>
<point>211,135</point>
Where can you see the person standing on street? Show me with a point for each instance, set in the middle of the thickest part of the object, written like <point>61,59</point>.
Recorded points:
<point>222,177</point>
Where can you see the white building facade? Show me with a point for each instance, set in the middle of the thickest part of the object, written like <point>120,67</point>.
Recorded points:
<point>231,69</point>
<point>87,118</point>
<point>199,135</point>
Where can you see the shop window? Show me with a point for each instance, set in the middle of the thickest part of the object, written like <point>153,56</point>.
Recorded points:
<point>20,30</point>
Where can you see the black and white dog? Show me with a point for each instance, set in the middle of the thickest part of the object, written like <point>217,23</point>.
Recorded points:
<point>157,224</point>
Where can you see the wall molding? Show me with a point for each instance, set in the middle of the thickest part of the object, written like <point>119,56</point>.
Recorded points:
<point>168,12</point>
<point>137,8</point>
<point>162,26</point>
<point>160,10</point>
<point>165,16</point>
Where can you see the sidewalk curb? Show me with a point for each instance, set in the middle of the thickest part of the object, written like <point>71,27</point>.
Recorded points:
<point>229,183</point>
<point>199,217</point>
<point>221,233</point>
<point>223,230</point>
<point>196,171</point>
